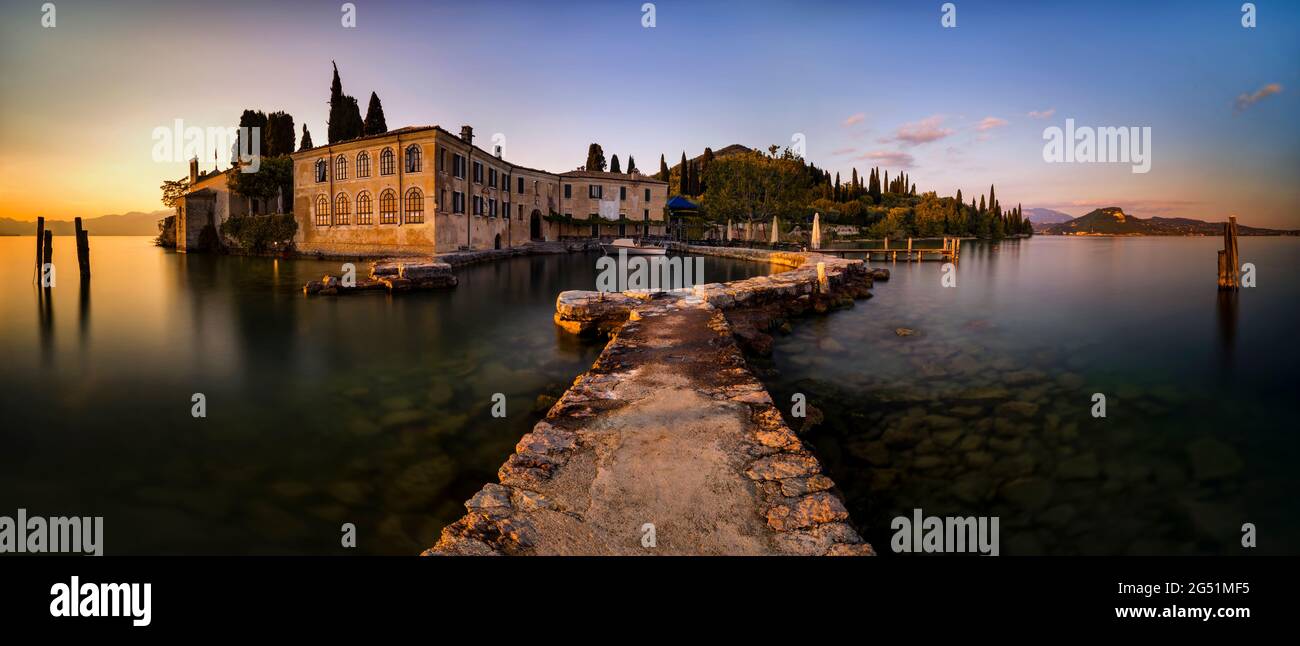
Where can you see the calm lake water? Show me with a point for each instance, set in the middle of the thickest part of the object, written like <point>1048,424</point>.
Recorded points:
<point>366,409</point>
<point>375,410</point>
<point>987,408</point>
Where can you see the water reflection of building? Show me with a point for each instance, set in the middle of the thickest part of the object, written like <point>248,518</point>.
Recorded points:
<point>424,189</point>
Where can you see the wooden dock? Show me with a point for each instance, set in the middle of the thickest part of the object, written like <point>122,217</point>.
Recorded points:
<point>950,251</point>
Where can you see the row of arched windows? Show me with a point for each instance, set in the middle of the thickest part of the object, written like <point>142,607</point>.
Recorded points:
<point>341,212</point>
<point>387,164</point>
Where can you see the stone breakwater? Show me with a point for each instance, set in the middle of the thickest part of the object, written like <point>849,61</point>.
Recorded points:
<point>407,273</point>
<point>669,444</point>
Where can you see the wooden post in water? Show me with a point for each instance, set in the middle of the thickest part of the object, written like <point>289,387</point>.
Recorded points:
<point>83,249</point>
<point>1229,267</point>
<point>40,241</point>
<point>48,255</point>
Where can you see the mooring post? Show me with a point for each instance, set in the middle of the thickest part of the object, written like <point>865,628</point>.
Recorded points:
<point>48,255</point>
<point>83,249</point>
<point>1229,267</point>
<point>40,241</point>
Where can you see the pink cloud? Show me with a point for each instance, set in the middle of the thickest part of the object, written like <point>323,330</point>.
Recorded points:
<point>923,131</point>
<point>843,151</point>
<point>856,118</point>
<point>1246,100</point>
<point>1042,114</point>
<point>990,123</point>
<point>892,158</point>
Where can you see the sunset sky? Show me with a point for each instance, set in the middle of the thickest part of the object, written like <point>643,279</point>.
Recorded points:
<point>866,83</point>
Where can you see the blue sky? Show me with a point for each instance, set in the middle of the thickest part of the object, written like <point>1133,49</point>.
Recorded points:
<point>866,83</point>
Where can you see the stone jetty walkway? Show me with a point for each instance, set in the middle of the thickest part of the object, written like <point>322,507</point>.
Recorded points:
<point>669,445</point>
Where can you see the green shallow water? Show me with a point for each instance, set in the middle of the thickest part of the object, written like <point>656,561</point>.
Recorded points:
<point>987,408</point>
<point>365,409</point>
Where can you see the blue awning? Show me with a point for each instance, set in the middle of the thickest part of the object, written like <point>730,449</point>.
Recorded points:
<point>679,203</point>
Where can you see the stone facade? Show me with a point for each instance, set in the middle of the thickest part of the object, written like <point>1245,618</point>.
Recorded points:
<point>208,201</point>
<point>424,190</point>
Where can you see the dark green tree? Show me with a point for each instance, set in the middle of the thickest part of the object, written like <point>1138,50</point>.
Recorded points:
<point>306,139</point>
<point>663,168</point>
<point>613,165</point>
<point>280,134</point>
<point>685,179</point>
<point>250,119</point>
<point>345,114</point>
<point>374,123</point>
<point>631,165</point>
<point>595,158</point>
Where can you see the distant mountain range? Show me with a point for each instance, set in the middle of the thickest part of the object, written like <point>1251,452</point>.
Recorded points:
<point>1114,222</point>
<point>135,223</point>
<point>1046,216</point>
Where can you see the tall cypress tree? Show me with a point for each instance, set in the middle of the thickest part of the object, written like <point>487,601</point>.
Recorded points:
<point>663,168</point>
<point>336,125</point>
<point>375,124</point>
<point>613,165</point>
<point>306,139</point>
<point>631,165</point>
<point>685,180</point>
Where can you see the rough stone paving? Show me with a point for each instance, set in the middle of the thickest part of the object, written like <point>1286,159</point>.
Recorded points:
<point>670,428</point>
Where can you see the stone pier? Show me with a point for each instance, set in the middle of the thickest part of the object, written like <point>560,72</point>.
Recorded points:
<point>669,445</point>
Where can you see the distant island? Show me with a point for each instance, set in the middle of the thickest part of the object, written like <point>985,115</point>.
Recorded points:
<point>135,223</point>
<point>1112,221</point>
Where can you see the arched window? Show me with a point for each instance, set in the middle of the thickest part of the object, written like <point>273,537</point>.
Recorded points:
<point>363,165</point>
<point>413,158</point>
<point>340,167</point>
<point>322,211</point>
<point>414,206</point>
<point>363,208</point>
<point>341,210</point>
<point>387,204</point>
<point>321,170</point>
<point>386,162</point>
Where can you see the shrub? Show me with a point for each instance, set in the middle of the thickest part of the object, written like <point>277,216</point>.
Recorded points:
<point>258,233</point>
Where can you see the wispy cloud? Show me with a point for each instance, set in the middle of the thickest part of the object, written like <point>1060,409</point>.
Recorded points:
<point>894,158</point>
<point>923,131</point>
<point>843,151</point>
<point>1042,114</point>
<point>1246,100</point>
<point>855,118</point>
<point>990,123</point>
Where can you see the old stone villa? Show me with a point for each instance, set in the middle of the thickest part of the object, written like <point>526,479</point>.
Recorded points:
<point>425,190</point>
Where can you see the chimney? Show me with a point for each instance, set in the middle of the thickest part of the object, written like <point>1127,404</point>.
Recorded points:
<point>194,170</point>
<point>467,134</point>
<point>497,151</point>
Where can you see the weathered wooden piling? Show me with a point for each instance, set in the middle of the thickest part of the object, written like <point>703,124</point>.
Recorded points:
<point>40,241</point>
<point>83,249</point>
<point>48,254</point>
<point>1229,265</point>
